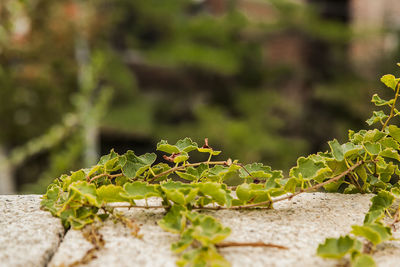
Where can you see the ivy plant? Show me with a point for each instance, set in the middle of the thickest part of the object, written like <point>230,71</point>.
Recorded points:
<point>367,163</point>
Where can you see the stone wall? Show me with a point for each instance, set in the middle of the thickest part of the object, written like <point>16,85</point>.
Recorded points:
<point>30,237</point>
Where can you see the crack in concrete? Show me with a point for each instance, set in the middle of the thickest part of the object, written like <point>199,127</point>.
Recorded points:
<point>54,251</point>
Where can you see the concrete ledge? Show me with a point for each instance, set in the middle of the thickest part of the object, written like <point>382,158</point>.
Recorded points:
<point>299,224</point>
<point>28,235</point>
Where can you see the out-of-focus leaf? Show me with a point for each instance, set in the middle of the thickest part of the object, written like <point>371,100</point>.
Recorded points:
<point>309,169</point>
<point>175,220</point>
<point>140,190</point>
<point>185,145</point>
<point>375,232</point>
<point>336,248</point>
<point>136,165</point>
<point>390,81</point>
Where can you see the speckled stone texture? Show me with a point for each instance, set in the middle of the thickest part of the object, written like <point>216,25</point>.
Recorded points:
<point>28,235</point>
<point>299,224</point>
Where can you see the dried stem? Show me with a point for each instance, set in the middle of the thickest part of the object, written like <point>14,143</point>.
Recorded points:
<point>185,166</point>
<point>194,208</point>
<point>334,179</point>
<point>177,168</point>
<point>248,244</point>
<point>264,204</point>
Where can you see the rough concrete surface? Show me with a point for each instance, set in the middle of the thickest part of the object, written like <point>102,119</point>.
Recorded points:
<point>28,235</point>
<point>299,224</point>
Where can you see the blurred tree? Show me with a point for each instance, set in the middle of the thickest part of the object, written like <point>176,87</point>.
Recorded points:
<point>266,81</point>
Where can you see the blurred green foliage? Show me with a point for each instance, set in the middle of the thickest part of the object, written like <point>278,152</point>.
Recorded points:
<point>176,68</point>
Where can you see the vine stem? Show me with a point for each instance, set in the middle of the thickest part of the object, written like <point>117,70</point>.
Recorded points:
<point>102,175</point>
<point>260,204</point>
<point>194,208</point>
<point>174,169</point>
<point>177,168</point>
<point>333,179</point>
<point>392,107</point>
<point>248,244</point>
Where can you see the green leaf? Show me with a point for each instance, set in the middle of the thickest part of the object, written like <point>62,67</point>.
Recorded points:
<point>140,190</point>
<point>209,151</point>
<point>372,148</point>
<point>78,176</point>
<point>158,169</point>
<point>358,137</point>
<point>373,216</point>
<point>373,136</point>
<point>336,248</point>
<point>110,156</point>
<point>111,193</point>
<point>309,169</point>
<point>172,185</point>
<point>176,196</point>
<point>121,180</point>
<point>377,116</point>
<point>254,193</point>
<point>134,165</point>
<point>390,81</point>
<point>394,132</point>
<point>337,150</point>
<point>50,205</point>
<point>291,184</point>
<point>74,177</point>
<point>351,189</point>
<point>185,145</point>
<point>175,220</point>
<point>385,170</point>
<point>243,192</point>
<point>194,174</point>
<point>112,165</point>
<point>88,191</point>
<point>53,192</point>
<point>350,149</point>
<point>181,157</point>
<point>383,200</point>
<point>363,260</point>
<point>334,186</point>
<point>389,142</point>
<point>390,153</point>
<point>217,192</point>
<point>207,230</point>
<point>98,169</point>
<point>376,184</point>
<point>396,192</point>
<point>66,217</point>
<point>180,193</point>
<point>165,147</point>
<point>184,242</point>
<point>258,171</point>
<point>203,257</point>
<point>380,102</point>
<point>221,173</point>
<point>376,233</point>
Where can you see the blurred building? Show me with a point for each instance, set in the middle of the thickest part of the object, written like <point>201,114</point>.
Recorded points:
<point>375,23</point>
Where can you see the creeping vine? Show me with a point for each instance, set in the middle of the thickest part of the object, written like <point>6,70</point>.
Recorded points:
<point>367,163</point>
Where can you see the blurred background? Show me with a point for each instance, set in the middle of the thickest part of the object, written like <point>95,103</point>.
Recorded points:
<point>264,80</point>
